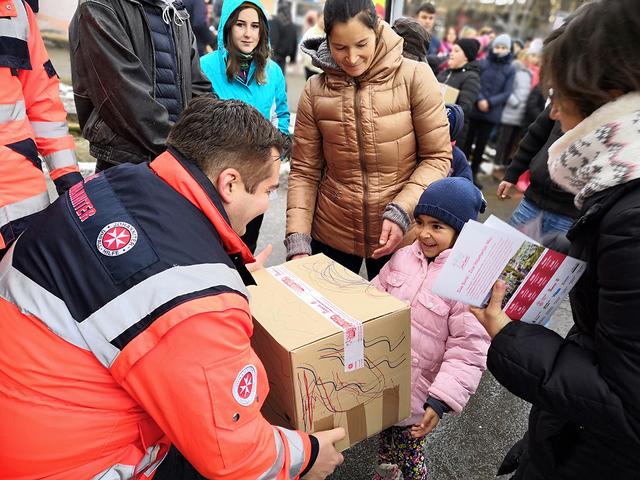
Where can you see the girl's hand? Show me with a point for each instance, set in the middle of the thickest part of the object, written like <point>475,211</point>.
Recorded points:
<point>429,422</point>
<point>493,318</point>
<point>504,190</point>
<point>390,239</point>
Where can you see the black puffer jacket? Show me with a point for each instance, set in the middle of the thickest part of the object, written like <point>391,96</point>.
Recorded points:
<point>467,80</point>
<point>533,154</point>
<point>114,79</point>
<point>585,423</point>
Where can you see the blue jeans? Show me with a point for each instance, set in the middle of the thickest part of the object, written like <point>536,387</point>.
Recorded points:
<point>528,212</point>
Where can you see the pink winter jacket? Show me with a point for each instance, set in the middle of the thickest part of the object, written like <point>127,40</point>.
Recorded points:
<point>448,344</point>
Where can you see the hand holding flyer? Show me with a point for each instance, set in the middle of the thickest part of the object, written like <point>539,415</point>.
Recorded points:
<point>537,279</point>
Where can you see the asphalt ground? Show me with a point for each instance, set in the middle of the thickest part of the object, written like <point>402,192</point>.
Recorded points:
<point>469,446</point>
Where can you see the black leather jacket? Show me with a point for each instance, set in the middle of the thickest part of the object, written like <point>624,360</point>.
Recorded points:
<point>113,69</point>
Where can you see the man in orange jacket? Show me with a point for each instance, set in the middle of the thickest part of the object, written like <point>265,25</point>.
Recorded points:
<point>126,326</point>
<point>32,122</point>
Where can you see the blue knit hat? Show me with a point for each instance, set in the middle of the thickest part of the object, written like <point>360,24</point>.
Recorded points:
<point>453,200</point>
<point>504,40</point>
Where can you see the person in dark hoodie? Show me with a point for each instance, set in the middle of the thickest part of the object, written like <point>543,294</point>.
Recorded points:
<point>463,74</point>
<point>543,201</point>
<point>459,164</point>
<point>496,84</point>
<point>415,36</point>
<point>282,33</point>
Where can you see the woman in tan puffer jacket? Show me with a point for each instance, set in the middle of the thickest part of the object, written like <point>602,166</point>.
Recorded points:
<point>371,133</point>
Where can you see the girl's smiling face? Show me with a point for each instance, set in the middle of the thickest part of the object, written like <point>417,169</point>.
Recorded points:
<point>434,235</point>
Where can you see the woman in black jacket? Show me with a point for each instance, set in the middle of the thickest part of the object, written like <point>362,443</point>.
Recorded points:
<point>585,388</point>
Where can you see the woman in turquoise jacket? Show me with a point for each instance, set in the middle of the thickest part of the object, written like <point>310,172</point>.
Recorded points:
<point>241,69</point>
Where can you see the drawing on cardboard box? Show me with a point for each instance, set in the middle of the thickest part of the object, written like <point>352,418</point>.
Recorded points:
<point>333,392</point>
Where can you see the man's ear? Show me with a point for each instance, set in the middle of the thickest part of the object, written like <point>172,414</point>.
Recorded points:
<point>227,184</point>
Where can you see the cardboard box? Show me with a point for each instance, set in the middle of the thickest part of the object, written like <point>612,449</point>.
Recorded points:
<point>297,314</point>
<point>449,94</point>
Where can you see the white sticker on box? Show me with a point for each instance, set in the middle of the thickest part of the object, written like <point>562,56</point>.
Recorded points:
<point>352,330</point>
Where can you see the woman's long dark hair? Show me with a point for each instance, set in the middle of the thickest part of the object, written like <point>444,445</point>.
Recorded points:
<point>260,53</point>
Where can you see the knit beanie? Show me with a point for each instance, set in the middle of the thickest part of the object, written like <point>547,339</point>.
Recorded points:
<point>452,200</point>
<point>470,47</point>
<point>415,36</point>
<point>535,47</point>
<point>504,40</point>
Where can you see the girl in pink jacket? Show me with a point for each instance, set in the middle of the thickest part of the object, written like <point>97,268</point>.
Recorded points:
<point>448,345</point>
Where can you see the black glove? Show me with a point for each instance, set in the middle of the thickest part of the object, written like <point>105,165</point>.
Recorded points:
<point>65,182</point>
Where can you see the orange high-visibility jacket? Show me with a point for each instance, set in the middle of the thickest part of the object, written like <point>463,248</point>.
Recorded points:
<point>125,327</point>
<point>32,122</point>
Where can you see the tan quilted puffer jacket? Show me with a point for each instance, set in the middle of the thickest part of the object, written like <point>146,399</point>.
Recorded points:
<point>362,144</point>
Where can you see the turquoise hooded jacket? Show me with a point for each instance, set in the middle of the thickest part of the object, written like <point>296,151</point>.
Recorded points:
<point>269,99</point>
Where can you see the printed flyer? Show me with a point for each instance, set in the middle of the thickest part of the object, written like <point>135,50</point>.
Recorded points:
<point>537,279</point>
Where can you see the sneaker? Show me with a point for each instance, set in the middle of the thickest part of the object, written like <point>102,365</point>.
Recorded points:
<point>388,471</point>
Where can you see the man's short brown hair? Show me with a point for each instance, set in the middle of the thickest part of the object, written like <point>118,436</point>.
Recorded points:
<point>218,134</point>
<point>594,54</point>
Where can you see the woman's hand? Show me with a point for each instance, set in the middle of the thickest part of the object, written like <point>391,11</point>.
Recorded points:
<point>504,190</point>
<point>429,422</point>
<point>483,105</point>
<point>300,255</point>
<point>493,318</point>
<point>390,239</point>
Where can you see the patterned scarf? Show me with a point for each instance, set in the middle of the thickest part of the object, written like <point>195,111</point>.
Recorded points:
<point>601,152</point>
<point>244,60</point>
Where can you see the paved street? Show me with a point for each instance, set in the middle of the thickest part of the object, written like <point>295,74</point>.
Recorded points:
<point>465,447</point>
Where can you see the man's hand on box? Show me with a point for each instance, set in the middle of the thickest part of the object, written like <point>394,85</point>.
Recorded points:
<point>493,318</point>
<point>261,258</point>
<point>328,457</point>
<point>429,422</point>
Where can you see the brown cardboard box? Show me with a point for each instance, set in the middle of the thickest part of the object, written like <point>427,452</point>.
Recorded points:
<point>303,350</point>
<point>449,94</point>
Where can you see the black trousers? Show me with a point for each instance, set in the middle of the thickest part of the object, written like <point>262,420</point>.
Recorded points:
<point>479,132</point>
<point>176,467</point>
<point>508,139</point>
<point>351,262</point>
<point>250,237</point>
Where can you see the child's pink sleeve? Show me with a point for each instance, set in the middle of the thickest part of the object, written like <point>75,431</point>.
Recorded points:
<point>465,358</point>
<point>380,281</point>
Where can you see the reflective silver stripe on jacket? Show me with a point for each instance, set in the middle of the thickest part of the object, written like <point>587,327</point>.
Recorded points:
<point>18,26</point>
<point>32,299</point>
<point>279,461</point>
<point>97,331</point>
<point>120,471</point>
<point>50,129</point>
<point>117,472</point>
<point>139,301</point>
<point>60,159</point>
<point>22,208</point>
<point>296,450</point>
<point>11,112</point>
